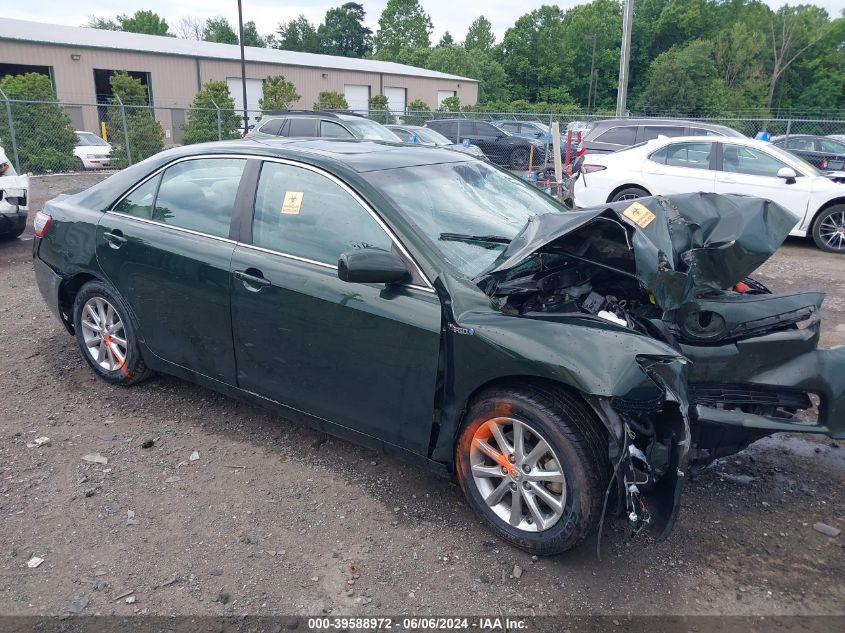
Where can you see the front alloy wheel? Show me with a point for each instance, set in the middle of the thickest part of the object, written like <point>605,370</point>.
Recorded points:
<point>532,462</point>
<point>518,474</point>
<point>829,229</point>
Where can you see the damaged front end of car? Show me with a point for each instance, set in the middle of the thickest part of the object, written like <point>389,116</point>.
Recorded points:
<point>675,269</point>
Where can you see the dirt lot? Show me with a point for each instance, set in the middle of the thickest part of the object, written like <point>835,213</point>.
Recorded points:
<point>272,518</point>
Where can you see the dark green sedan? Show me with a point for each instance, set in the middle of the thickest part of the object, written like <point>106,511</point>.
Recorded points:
<point>566,366</point>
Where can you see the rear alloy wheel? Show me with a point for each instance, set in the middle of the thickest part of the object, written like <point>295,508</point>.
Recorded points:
<point>533,463</point>
<point>106,337</point>
<point>519,158</point>
<point>829,229</point>
<point>629,193</point>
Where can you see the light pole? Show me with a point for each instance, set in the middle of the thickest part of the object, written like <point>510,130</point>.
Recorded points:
<point>592,69</point>
<point>243,64</point>
<point>624,59</point>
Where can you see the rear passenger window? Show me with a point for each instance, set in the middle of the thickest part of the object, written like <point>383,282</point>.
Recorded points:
<point>695,155</point>
<point>199,194</point>
<point>334,130</point>
<point>659,156</point>
<point>302,127</point>
<point>139,203</point>
<point>653,131</point>
<point>626,135</point>
<point>300,212</point>
<point>697,131</point>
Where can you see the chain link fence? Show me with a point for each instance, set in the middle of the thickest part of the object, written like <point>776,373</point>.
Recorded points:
<point>54,136</point>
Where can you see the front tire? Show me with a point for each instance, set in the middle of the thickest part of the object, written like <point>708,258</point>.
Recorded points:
<point>829,229</point>
<point>533,464</point>
<point>16,231</point>
<point>106,336</point>
<point>629,193</point>
<point>519,158</point>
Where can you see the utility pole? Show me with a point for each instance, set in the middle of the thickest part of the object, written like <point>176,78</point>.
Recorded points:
<point>243,64</point>
<point>592,69</point>
<point>624,59</point>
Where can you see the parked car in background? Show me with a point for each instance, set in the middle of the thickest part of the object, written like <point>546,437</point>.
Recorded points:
<point>457,317</point>
<point>14,199</point>
<point>612,135</point>
<point>432,138</point>
<point>537,130</point>
<point>828,154</point>
<point>313,123</point>
<point>499,146</point>
<point>92,151</point>
<point>837,137</point>
<point>721,165</point>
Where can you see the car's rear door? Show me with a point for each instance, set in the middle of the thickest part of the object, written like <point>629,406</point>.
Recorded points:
<point>364,356</point>
<point>683,167</point>
<point>166,249</point>
<point>752,171</point>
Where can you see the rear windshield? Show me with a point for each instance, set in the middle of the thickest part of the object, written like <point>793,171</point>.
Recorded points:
<point>89,139</point>
<point>370,130</point>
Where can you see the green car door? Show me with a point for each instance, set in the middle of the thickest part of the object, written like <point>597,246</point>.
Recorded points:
<point>364,356</point>
<point>165,248</point>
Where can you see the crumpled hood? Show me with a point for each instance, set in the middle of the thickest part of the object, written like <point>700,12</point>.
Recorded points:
<point>682,245</point>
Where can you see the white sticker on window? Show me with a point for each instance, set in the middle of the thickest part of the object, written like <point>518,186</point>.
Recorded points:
<point>292,202</point>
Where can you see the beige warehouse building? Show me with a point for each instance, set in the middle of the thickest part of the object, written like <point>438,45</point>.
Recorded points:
<point>80,61</point>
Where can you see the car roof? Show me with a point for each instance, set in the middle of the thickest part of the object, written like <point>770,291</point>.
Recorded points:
<point>736,140</point>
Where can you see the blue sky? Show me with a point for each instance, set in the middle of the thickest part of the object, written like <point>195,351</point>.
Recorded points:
<point>445,14</point>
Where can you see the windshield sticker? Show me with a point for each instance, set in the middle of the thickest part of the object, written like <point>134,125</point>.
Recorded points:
<point>639,215</point>
<point>293,202</point>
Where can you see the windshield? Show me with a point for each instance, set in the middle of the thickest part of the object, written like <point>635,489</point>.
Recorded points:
<point>370,130</point>
<point>802,164</point>
<point>88,139</point>
<point>430,136</point>
<point>463,199</point>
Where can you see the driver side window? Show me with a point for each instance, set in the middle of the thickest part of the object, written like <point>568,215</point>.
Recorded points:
<point>752,162</point>
<point>302,213</point>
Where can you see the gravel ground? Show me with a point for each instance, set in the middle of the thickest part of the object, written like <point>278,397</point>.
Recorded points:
<point>275,519</point>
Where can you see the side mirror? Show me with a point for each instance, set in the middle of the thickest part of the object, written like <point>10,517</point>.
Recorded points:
<point>788,174</point>
<point>372,266</point>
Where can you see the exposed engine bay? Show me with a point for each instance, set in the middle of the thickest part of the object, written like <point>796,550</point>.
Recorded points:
<point>676,270</point>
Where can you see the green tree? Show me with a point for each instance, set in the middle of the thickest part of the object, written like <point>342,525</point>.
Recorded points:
<point>331,100</point>
<point>252,37</point>
<point>450,104</point>
<point>202,124</point>
<point>43,132</point>
<point>146,136</point>
<point>219,30</point>
<point>343,32</point>
<point>279,94</point>
<point>146,22</point>
<point>480,35</point>
<point>532,55</point>
<point>298,35</point>
<point>475,64</point>
<point>378,109</point>
<point>403,24</point>
<point>446,40</point>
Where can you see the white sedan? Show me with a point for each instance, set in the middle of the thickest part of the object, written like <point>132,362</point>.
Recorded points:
<point>14,197</point>
<point>666,166</point>
<point>92,151</point>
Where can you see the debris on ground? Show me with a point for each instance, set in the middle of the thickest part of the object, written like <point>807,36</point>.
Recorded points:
<point>95,458</point>
<point>827,530</point>
<point>194,456</point>
<point>123,594</point>
<point>130,600</point>
<point>130,518</point>
<point>740,480</point>
<point>216,571</point>
<point>517,571</point>
<point>39,441</point>
<point>79,604</point>
<point>172,480</point>
<point>34,562</point>
<point>148,444</point>
<point>167,582</point>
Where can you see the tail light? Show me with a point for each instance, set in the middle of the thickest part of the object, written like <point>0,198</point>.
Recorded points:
<point>824,163</point>
<point>589,169</point>
<point>41,223</point>
<point>247,135</point>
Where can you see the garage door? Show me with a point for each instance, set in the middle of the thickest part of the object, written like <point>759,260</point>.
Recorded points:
<point>254,92</point>
<point>358,97</point>
<point>396,99</point>
<point>444,94</point>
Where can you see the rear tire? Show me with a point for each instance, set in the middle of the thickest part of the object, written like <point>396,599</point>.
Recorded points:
<point>829,229</point>
<point>106,336</point>
<point>577,450</point>
<point>519,158</point>
<point>629,193</point>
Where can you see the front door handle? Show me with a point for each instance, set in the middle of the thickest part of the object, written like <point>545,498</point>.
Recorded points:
<point>253,279</point>
<point>115,238</point>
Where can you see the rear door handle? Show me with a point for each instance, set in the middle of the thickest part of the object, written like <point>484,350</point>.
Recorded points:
<point>253,279</point>
<point>115,239</point>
